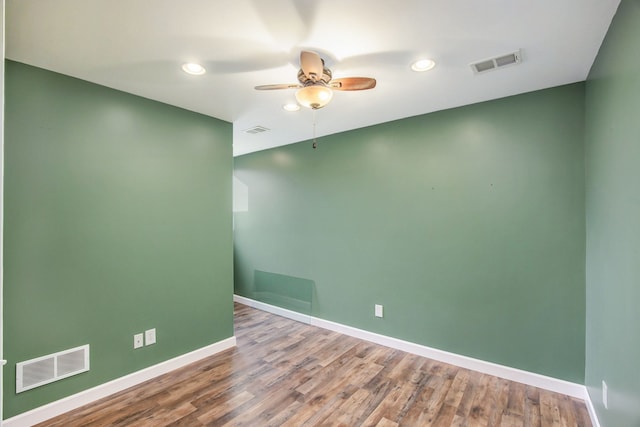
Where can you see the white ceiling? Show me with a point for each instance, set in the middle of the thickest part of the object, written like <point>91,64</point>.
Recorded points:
<point>138,46</point>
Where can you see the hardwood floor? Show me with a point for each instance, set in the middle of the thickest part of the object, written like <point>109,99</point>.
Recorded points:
<point>286,373</point>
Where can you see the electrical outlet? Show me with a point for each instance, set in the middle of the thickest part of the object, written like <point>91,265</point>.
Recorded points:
<point>378,310</point>
<point>150,336</point>
<point>138,340</point>
<point>605,395</point>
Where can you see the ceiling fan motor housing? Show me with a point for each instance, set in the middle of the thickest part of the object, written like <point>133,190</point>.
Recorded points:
<point>307,81</point>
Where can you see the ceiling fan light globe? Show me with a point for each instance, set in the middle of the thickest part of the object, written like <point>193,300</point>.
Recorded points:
<point>314,97</point>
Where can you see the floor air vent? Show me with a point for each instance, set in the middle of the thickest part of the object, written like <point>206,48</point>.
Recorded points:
<point>53,367</point>
<point>497,62</point>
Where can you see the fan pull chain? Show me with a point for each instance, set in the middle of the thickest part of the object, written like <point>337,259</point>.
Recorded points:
<point>315,144</point>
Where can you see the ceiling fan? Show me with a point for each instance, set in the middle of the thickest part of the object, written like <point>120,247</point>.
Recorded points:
<point>317,84</point>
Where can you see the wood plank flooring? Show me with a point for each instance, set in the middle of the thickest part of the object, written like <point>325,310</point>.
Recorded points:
<point>286,373</point>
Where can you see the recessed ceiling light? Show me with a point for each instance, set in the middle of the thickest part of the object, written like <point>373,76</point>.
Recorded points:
<point>291,107</point>
<point>193,68</point>
<point>423,65</point>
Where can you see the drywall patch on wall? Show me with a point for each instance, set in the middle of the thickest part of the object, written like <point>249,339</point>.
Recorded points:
<point>293,293</point>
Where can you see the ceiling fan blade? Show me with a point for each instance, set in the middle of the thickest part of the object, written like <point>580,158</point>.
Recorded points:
<point>311,65</point>
<point>353,83</point>
<point>279,86</point>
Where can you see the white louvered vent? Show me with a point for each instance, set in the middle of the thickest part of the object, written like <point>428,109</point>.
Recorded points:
<point>497,62</point>
<point>52,367</point>
<point>257,129</point>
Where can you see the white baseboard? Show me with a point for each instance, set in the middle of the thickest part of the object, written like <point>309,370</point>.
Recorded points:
<point>77,400</point>
<point>512,374</point>
<point>591,409</point>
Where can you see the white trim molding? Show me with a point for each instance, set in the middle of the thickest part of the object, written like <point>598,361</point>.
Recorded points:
<point>592,410</point>
<point>506,372</point>
<point>77,400</point>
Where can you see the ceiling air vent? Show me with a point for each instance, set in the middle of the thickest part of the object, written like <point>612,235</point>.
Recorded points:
<point>256,129</point>
<point>497,62</point>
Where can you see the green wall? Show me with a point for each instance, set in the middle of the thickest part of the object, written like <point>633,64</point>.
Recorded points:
<point>117,220</point>
<point>613,221</point>
<point>466,224</point>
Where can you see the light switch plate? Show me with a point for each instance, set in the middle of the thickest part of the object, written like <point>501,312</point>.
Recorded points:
<point>150,336</point>
<point>378,310</point>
